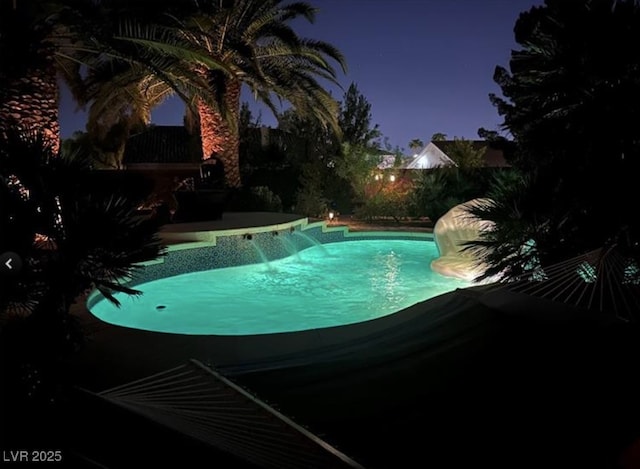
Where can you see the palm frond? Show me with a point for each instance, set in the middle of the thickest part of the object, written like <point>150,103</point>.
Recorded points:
<point>296,10</point>
<point>265,52</point>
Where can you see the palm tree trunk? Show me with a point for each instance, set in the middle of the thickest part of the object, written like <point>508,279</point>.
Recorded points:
<point>220,136</point>
<point>31,101</point>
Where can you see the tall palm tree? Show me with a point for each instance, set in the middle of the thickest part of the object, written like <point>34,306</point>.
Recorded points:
<point>255,42</point>
<point>121,93</point>
<point>116,109</point>
<point>29,40</point>
<point>42,40</point>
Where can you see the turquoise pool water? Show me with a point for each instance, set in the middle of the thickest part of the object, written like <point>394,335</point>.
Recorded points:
<point>323,286</point>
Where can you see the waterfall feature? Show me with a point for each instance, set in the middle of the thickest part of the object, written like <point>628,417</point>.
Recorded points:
<point>260,252</point>
<point>289,247</point>
<point>313,241</point>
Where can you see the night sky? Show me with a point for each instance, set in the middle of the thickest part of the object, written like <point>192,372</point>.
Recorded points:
<point>425,66</point>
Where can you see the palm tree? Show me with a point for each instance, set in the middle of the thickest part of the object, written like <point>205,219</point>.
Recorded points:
<point>41,41</point>
<point>254,41</point>
<point>117,110</point>
<point>29,40</point>
<point>416,144</point>
<point>465,154</point>
<point>122,92</point>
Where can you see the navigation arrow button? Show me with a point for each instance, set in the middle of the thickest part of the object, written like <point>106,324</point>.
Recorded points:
<point>10,263</point>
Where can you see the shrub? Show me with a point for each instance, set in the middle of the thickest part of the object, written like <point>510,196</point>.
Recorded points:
<point>311,202</point>
<point>389,201</point>
<point>439,190</point>
<point>254,199</point>
<point>265,199</point>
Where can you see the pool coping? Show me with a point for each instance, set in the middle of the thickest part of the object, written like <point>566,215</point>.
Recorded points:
<point>177,240</point>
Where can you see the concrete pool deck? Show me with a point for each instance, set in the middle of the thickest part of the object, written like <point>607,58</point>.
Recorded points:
<point>232,221</point>
<point>473,378</point>
<point>238,220</point>
<point>238,223</point>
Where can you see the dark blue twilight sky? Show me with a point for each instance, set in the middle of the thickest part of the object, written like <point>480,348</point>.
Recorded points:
<point>425,66</point>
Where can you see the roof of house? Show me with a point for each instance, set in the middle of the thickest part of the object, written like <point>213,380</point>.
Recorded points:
<point>430,157</point>
<point>162,144</point>
<point>436,154</point>
<point>493,157</point>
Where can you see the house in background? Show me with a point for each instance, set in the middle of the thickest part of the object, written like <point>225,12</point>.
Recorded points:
<point>163,149</point>
<point>387,162</point>
<point>169,155</point>
<point>431,156</point>
<point>436,154</point>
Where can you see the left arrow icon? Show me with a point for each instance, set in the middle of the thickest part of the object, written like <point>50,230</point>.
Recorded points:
<point>10,263</point>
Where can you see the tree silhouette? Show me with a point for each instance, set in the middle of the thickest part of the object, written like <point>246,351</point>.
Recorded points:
<point>570,104</point>
<point>416,144</point>
<point>465,154</point>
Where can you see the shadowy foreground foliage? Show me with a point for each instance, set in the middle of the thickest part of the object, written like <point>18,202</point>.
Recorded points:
<point>73,232</point>
<point>571,106</point>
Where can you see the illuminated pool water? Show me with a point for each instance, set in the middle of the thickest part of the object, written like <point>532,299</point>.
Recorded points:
<point>330,285</point>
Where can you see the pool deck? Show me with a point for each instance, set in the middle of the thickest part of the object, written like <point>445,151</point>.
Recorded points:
<point>232,221</point>
<point>235,221</point>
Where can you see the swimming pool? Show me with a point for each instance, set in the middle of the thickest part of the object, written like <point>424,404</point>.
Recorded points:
<point>321,286</point>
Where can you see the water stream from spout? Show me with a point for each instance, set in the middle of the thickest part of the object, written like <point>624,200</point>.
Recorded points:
<point>262,255</point>
<point>313,241</point>
<point>290,247</point>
